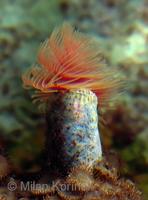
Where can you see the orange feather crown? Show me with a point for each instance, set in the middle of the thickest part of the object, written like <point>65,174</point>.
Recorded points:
<point>70,60</point>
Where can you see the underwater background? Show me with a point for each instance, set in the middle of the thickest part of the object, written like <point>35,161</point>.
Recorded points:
<point>121,28</point>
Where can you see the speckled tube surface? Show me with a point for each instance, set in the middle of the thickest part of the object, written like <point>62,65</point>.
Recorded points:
<point>73,135</point>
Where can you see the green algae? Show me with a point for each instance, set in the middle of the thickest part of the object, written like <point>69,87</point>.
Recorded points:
<point>139,147</point>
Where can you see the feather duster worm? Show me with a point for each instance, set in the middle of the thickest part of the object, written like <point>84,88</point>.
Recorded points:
<point>72,67</point>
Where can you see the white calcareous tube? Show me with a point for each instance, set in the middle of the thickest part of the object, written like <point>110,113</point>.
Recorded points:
<point>73,129</point>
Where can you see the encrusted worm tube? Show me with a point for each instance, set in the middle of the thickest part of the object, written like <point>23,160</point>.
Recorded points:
<point>73,128</point>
